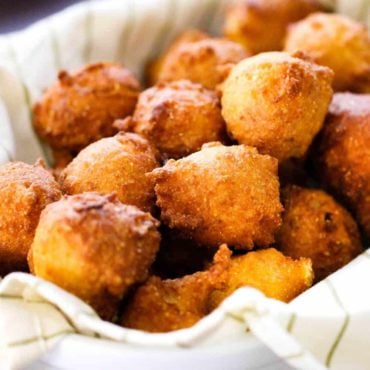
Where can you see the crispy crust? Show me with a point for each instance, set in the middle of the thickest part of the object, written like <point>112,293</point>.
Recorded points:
<point>24,191</point>
<point>165,305</point>
<point>221,195</point>
<point>268,270</point>
<point>317,227</point>
<point>207,61</point>
<point>342,153</point>
<point>81,107</point>
<point>337,42</point>
<point>277,103</point>
<point>117,164</point>
<point>155,66</point>
<point>178,117</point>
<point>94,247</point>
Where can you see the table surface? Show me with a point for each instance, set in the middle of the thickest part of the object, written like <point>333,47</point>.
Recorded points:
<point>17,14</point>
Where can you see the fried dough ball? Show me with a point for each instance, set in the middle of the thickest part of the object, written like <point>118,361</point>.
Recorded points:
<point>342,153</point>
<point>116,164</point>
<point>155,66</point>
<point>276,102</point>
<point>261,25</point>
<point>94,247</point>
<point>81,107</point>
<point>317,227</point>
<point>24,191</point>
<point>337,42</point>
<point>165,305</point>
<point>178,117</point>
<point>221,195</point>
<point>206,61</point>
<point>268,270</point>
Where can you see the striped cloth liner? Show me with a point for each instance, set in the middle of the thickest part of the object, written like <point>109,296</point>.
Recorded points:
<point>328,326</point>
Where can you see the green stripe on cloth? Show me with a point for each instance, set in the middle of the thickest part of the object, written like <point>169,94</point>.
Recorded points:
<point>129,22</point>
<point>26,96</point>
<point>210,10</point>
<point>38,338</point>
<point>291,322</point>
<point>165,28</point>
<point>88,33</point>
<point>343,328</point>
<point>55,46</point>
<point>6,151</point>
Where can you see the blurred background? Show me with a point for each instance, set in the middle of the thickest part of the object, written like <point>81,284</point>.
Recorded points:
<point>17,14</point>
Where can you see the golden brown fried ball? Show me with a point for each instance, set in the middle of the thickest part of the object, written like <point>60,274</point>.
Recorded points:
<point>116,164</point>
<point>155,66</point>
<point>178,117</point>
<point>221,195</point>
<point>165,305</point>
<point>206,61</point>
<point>342,153</point>
<point>268,270</point>
<point>276,102</point>
<point>94,247</point>
<point>24,191</point>
<point>317,227</point>
<point>337,42</point>
<point>81,107</point>
<point>261,25</point>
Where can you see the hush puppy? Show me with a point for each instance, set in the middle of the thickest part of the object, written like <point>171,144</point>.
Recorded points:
<point>94,247</point>
<point>180,303</point>
<point>269,271</point>
<point>81,107</point>
<point>342,153</point>
<point>207,61</point>
<point>155,66</point>
<point>317,227</point>
<point>221,195</point>
<point>25,190</point>
<point>337,42</point>
<point>277,103</point>
<point>261,25</point>
<point>171,304</point>
<point>116,164</point>
<point>177,117</point>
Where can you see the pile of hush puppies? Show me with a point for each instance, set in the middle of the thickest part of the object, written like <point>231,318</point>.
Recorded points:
<point>245,163</point>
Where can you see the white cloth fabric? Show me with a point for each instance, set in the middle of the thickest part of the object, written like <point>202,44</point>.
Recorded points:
<point>329,325</point>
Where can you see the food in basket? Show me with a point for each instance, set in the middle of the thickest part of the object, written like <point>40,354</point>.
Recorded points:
<point>116,164</point>
<point>25,190</point>
<point>179,303</point>
<point>80,107</point>
<point>207,61</point>
<point>221,194</point>
<point>276,102</point>
<point>211,150</point>
<point>317,227</point>
<point>260,25</point>
<point>342,153</point>
<point>337,42</point>
<point>178,117</point>
<point>176,303</point>
<point>95,247</point>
